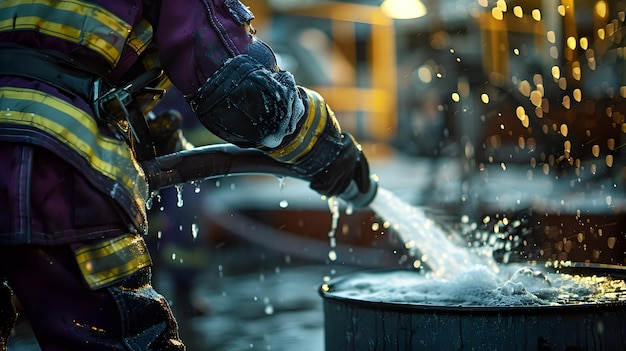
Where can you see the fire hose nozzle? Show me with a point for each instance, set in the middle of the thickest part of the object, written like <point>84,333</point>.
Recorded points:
<point>353,196</point>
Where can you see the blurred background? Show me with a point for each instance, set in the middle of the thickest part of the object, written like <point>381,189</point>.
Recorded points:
<point>504,120</point>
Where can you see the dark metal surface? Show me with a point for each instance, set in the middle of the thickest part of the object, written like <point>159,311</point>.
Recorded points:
<point>356,324</point>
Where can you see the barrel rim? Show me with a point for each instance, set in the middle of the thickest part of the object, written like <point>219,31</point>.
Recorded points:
<point>617,272</point>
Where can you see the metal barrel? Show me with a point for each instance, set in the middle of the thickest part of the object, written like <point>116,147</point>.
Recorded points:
<point>352,323</point>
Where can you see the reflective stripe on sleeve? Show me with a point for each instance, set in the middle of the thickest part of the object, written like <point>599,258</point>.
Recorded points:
<point>78,22</point>
<point>308,134</point>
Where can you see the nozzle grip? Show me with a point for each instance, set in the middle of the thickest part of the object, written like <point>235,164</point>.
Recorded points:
<point>353,196</point>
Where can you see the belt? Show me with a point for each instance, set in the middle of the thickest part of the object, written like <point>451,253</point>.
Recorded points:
<point>112,106</point>
<point>51,69</point>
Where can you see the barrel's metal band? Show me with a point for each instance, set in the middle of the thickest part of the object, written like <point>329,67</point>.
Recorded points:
<point>110,261</point>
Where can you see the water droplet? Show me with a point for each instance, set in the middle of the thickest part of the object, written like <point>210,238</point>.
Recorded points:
<point>501,4</point>
<point>566,102</point>
<point>179,195</point>
<point>610,143</point>
<point>611,242</point>
<point>536,15</point>
<point>536,97</point>
<point>595,150</point>
<point>497,14</point>
<point>556,72</point>
<point>194,231</point>
<point>601,9</point>
<point>281,182</point>
<point>571,43</point>
<point>524,88</point>
<point>332,255</point>
<point>197,186</point>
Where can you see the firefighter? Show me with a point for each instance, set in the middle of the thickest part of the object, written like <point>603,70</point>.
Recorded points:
<point>76,81</point>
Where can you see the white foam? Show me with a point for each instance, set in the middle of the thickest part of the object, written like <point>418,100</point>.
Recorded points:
<point>479,286</point>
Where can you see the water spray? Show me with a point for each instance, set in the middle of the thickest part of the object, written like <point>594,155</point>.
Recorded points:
<point>216,161</point>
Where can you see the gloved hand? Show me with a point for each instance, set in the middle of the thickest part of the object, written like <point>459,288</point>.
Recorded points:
<point>349,165</point>
<point>167,133</point>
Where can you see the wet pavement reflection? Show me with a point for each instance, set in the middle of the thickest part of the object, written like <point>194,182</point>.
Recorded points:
<point>279,310</point>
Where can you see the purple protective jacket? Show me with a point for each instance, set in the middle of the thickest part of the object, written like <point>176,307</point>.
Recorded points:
<point>63,177</point>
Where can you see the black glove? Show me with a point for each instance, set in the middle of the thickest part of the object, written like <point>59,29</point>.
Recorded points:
<point>349,165</point>
<point>167,133</point>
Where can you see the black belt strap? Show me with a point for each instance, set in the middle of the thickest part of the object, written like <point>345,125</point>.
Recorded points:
<point>62,74</point>
<point>39,65</point>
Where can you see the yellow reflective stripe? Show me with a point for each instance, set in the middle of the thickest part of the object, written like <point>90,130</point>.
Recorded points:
<point>112,260</point>
<point>78,22</point>
<point>140,37</point>
<point>76,129</point>
<point>308,134</point>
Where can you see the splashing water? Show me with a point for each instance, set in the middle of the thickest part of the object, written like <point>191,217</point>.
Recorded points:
<point>179,195</point>
<point>194,231</point>
<point>197,186</point>
<point>478,286</point>
<point>462,275</point>
<point>333,206</point>
<point>426,241</point>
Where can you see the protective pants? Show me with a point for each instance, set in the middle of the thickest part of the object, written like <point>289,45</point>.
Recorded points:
<point>66,315</point>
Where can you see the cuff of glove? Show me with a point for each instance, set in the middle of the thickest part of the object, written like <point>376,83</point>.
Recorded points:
<point>323,153</point>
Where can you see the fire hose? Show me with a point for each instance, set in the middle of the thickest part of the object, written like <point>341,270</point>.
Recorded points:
<point>216,161</point>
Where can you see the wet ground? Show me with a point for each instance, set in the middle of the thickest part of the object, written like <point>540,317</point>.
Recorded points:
<point>263,311</point>
<point>259,299</point>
